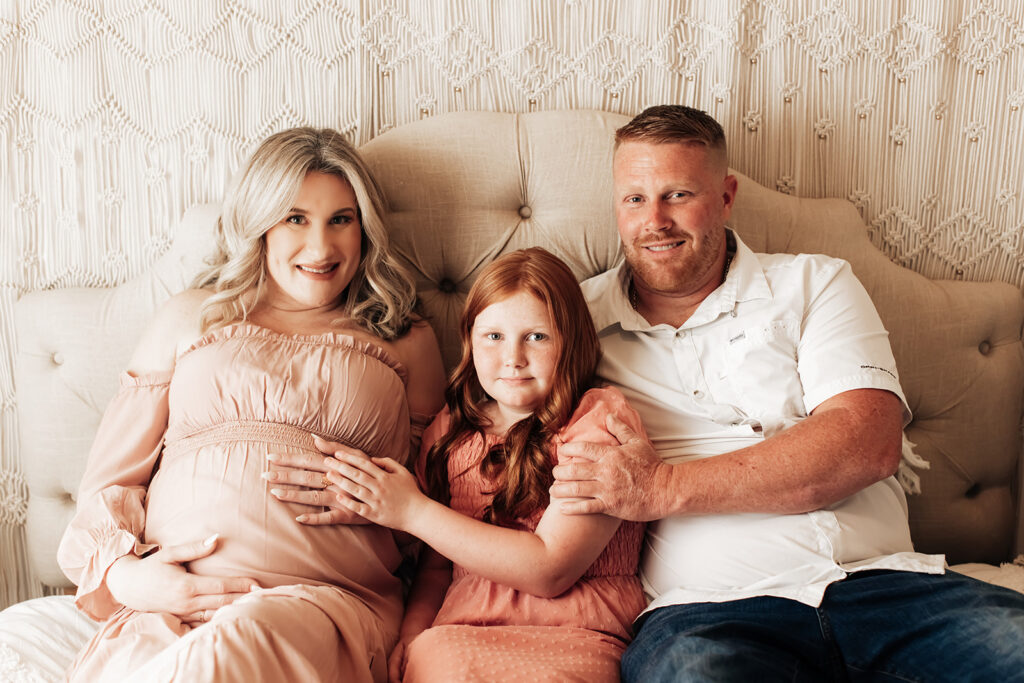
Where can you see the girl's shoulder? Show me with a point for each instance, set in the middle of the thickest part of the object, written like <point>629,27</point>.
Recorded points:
<point>602,395</point>
<point>589,422</point>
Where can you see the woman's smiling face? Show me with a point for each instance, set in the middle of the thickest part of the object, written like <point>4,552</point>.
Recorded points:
<point>313,253</point>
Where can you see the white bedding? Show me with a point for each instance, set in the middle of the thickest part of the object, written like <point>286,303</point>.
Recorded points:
<point>39,638</point>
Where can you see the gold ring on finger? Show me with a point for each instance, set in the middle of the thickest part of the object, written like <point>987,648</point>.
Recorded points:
<point>324,481</point>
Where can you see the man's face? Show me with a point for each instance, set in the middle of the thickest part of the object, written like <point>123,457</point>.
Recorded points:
<point>671,204</point>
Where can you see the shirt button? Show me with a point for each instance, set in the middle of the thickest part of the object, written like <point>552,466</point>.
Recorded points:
<point>697,393</point>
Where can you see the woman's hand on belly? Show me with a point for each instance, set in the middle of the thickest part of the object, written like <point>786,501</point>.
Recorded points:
<point>308,470</point>
<point>160,583</point>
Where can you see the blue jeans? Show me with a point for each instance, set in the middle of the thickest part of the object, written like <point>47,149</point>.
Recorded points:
<point>872,626</point>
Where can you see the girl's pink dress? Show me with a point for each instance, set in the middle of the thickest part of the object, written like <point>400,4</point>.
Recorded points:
<point>489,632</point>
<point>178,457</point>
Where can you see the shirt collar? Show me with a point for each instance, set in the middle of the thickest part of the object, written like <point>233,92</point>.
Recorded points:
<point>615,308</point>
<point>745,281</point>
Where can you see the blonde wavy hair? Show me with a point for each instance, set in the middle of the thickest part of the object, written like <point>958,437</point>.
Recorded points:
<point>380,298</point>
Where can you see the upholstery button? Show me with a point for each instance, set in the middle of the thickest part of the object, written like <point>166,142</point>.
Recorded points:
<point>985,348</point>
<point>446,286</point>
<point>57,358</point>
<point>525,211</point>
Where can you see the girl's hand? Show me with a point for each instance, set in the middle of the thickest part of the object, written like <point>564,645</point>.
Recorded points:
<point>308,470</point>
<point>379,489</point>
<point>160,583</point>
<point>396,661</point>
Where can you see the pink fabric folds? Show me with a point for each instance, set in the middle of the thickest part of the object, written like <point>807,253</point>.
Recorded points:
<point>180,457</point>
<point>110,517</point>
<point>486,631</point>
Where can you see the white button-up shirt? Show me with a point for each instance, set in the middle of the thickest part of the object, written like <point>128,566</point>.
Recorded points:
<point>780,336</point>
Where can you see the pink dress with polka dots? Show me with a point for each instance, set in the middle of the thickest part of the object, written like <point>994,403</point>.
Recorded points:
<point>486,631</point>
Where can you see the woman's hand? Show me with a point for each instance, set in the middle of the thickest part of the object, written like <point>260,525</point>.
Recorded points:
<point>307,470</point>
<point>379,489</point>
<point>160,583</point>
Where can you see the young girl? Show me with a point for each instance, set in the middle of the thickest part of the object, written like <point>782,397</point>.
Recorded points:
<point>535,595</point>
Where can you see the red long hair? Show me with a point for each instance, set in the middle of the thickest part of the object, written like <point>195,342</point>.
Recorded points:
<point>519,467</point>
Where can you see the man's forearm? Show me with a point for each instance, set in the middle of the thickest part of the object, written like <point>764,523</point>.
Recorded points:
<point>850,442</point>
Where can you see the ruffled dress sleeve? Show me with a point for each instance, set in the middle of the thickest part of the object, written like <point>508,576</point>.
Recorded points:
<point>588,421</point>
<point>111,513</point>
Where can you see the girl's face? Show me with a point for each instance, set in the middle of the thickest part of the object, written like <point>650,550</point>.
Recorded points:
<point>515,352</point>
<point>313,253</point>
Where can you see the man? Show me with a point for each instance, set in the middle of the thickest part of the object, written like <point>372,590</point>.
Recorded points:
<point>770,393</point>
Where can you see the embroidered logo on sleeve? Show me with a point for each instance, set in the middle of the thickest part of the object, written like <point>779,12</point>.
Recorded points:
<point>875,367</point>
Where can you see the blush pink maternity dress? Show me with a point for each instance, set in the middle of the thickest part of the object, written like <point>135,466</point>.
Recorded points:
<point>178,457</point>
<point>487,632</point>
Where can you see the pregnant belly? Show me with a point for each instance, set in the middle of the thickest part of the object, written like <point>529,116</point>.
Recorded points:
<point>216,488</point>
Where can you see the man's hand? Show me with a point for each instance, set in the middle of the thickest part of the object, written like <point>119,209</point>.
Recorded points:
<point>628,481</point>
<point>160,583</point>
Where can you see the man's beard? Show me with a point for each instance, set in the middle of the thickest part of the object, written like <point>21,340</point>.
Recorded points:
<point>683,275</point>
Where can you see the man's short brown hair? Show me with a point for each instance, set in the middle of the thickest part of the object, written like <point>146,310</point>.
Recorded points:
<point>666,123</point>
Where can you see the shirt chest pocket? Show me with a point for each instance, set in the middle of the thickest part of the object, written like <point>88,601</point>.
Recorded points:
<point>759,375</point>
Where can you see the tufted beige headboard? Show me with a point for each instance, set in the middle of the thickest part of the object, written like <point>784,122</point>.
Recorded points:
<point>466,187</point>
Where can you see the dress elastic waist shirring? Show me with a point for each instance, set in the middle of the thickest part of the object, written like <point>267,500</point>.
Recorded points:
<point>277,433</point>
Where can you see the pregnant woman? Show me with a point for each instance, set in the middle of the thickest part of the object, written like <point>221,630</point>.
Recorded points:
<point>305,324</point>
